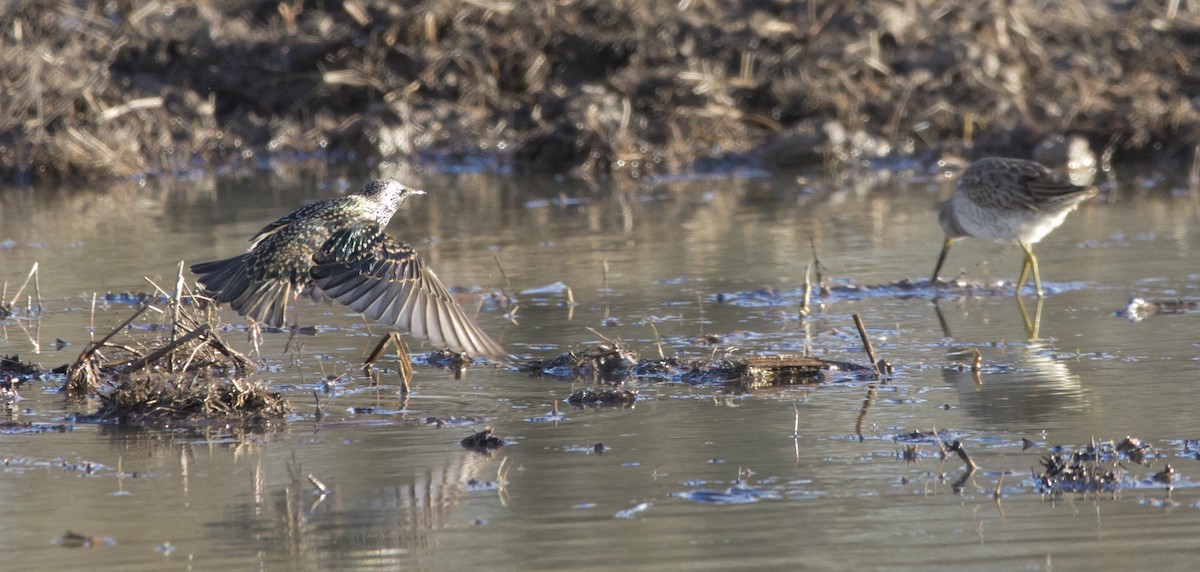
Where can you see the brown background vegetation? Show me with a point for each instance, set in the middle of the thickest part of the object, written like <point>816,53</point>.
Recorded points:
<point>631,86</point>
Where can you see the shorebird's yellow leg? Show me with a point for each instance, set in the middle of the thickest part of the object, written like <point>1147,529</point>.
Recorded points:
<point>941,259</point>
<point>1030,263</point>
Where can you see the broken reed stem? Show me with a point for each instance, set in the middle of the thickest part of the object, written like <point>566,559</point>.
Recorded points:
<point>33,272</point>
<point>500,265</point>
<point>962,454</point>
<point>155,355</point>
<point>862,333</point>
<point>658,341</point>
<point>807,291</point>
<point>92,330</point>
<point>175,302</point>
<point>96,345</point>
<point>37,286</point>
<point>1194,173</point>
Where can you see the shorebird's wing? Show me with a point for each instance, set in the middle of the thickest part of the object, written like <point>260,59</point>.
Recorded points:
<point>384,279</point>
<point>1019,184</point>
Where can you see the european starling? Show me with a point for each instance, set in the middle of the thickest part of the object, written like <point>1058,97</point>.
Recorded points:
<point>337,250</point>
<point>1008,199</point>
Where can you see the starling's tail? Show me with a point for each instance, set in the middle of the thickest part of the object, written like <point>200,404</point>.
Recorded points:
<point>229,281</point>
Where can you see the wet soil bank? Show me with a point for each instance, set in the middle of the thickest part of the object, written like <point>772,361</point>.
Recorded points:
<point>117,89</point>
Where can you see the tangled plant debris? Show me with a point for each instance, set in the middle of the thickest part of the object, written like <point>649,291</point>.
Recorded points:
<point>184,374</point>
<point>1097,467</point>
<point>612,362</point>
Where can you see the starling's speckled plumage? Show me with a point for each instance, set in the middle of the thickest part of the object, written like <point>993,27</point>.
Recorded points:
<point>337,250</point>
<point>1008,199</point>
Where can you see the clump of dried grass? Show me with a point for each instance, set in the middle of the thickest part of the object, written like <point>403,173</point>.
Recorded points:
<point>183,372</point>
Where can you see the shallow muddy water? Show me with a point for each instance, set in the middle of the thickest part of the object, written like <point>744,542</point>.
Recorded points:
<point>823,479</point>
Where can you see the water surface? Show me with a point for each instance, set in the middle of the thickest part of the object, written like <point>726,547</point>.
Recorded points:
<point>690,257</point>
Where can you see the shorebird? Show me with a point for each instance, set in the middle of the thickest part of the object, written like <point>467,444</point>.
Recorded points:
<point>337,250</point>
<point>1008,199</point>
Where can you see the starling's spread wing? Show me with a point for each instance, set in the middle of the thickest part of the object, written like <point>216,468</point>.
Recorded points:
<point>1019,184</point>
<point>259,284</point>
<point>306,214</point>
<point>385,280</point>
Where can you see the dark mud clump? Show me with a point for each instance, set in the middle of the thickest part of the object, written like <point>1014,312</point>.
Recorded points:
<point>483,441</point>
<point>12,365</point>
<point>123,88</point>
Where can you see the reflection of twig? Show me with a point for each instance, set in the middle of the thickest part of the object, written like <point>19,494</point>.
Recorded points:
<point>502,482</point>
<point>862,412</point>
<point>817,264</point>
<point>977,367</point>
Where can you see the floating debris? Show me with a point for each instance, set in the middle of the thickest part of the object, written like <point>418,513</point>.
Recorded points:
<point>1093,467</point>
<point>483,441</point>
<point>1139,309</point>
<point>611,362</point>
<point>12,365</point>
<point>633,511</point>
<point>737,494</point>
<point>608,361</point>
<point>183,373</point>
<point>452,421</point>
<point>27,428</point>
<point>782,370</point>
<point>603,397</point>
<point>158,399</point>
<point>71,539</point>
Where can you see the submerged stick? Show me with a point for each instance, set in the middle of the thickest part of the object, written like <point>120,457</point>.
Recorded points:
<point>862,333</point>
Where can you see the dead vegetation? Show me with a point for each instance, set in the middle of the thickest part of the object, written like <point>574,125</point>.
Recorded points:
<point>184,373</point>
<point>121,88</point>
<point>612,362</point>
<point>1097,467</point>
